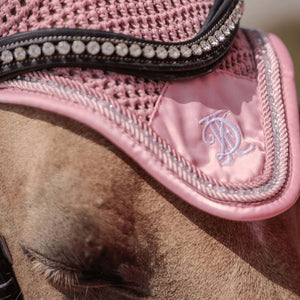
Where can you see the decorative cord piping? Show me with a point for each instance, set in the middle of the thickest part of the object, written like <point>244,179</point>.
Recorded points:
<point>141,132</point>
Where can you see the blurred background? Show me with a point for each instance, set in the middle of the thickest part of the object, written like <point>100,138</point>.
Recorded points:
<point>281,17</point>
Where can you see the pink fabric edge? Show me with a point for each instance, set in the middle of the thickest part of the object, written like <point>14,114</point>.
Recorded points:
<point>292,115</point>
<point>154,167</point>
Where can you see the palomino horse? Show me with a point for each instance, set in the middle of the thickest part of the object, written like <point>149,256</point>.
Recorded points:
<point>68,196</point>
<point>80,219</point>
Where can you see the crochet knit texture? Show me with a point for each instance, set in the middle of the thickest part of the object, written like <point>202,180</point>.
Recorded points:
<point>160,20</point>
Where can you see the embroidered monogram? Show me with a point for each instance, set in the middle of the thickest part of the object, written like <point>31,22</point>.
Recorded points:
<point>227,134</point>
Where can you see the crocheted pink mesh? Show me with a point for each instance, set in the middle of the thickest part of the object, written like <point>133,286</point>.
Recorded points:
<point>161,20</point>
<point>241,60</point>
<point>136,94</point>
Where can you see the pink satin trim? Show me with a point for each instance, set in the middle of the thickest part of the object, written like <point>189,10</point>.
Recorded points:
<point>187,102</point>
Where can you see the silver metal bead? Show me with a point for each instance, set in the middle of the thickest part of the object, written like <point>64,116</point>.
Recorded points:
<point>185,51</point>
<point>135,50</point>
<point>230,24</point>
<point>225,30</point>
<point>63,48</point>
<point>122,49</point>
<point>219,35</point>
<point>213,41</point>
<point>108,48</point>
<point>34,51</point>
<point>236,16</point>
<point>174,52</point>
<point>78,47</point>
<point>7,56</point>
<point>205,46</point>
<point>148,51</point>
<point>93,48</point>
<point>237,13</point>
<point>197,50</point>
<point>48,49</point>
<point>161,52</point>
<point>20,53</point>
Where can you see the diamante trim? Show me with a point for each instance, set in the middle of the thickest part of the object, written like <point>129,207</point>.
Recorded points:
<point>118,48</point>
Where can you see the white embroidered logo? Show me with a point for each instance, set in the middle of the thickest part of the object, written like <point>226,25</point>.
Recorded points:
<point>226,133</point>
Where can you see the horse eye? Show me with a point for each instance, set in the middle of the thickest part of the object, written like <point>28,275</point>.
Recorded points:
<point>70,278</point>
<point>56,273</point>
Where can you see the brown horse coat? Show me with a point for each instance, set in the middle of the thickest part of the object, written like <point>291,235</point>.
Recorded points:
<point>71,200</point>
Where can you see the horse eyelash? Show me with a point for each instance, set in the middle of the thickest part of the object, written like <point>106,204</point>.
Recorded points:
<point>60,277</point>
<point>57,277</point>
<point>64,277</point>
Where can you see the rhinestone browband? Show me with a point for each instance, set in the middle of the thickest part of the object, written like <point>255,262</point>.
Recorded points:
<point>63,47</point>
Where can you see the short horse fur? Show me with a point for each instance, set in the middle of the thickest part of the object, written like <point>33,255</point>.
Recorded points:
<point>72,197</point>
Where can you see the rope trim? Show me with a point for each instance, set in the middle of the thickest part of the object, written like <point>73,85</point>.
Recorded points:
<point>276,135</point>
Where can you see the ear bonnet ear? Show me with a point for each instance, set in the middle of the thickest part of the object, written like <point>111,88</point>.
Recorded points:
<point>208,109</point>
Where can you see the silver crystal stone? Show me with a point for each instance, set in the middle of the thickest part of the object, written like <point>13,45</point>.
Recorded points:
<point>20,53</point>
<point>108,48</point>
<point>219,36</point>
<point>63,48</point>
<point>197,50</point>
<point>185,51</point>
<point>225,30</point>
<point>93,48</point>
<point>174,52</point>
<point>205,46</point>
<point>213,41</point>
<point>236,16</point>
<point>149,52</point>
<point>230,24</point>
<point>48,49</point>
<point>161,52</point>
<point>7,56</point>
<point>135,50</point>
<point>122,49</point>
<point>78,47</point>
<point>34,51</point>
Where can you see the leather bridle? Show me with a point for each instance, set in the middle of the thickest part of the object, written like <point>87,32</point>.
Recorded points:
<point>60,47</point>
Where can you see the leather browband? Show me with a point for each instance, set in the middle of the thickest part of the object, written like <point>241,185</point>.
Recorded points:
<point>63,47</point>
